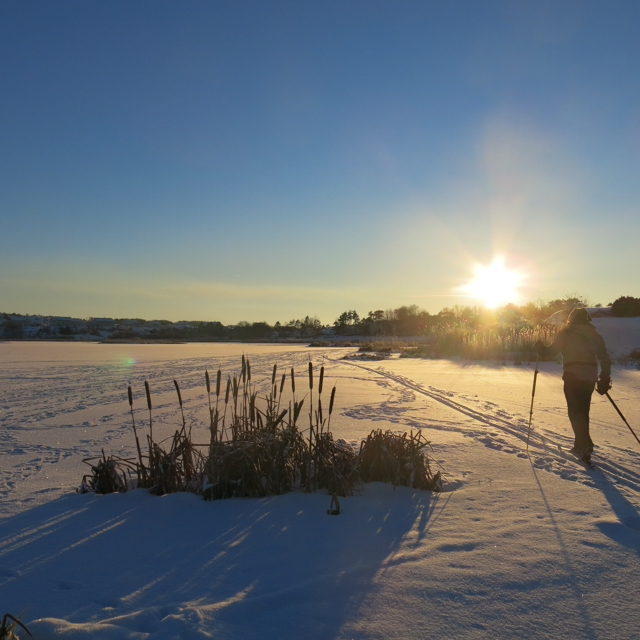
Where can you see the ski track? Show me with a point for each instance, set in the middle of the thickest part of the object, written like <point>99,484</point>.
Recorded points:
<point>505,433</point>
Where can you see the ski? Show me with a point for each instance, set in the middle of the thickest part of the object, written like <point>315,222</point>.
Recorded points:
<point>589,465</point>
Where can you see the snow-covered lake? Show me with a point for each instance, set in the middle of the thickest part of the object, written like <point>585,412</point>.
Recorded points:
<point>528,546</point>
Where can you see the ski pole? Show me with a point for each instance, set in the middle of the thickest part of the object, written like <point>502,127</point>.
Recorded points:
<point>615,406</point>
<point>533,395</point>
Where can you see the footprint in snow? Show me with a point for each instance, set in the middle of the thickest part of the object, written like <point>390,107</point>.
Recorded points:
<point>632,522</point>
<point>465,546</point>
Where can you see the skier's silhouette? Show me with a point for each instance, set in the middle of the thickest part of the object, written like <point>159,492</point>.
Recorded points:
<point>581,347</point>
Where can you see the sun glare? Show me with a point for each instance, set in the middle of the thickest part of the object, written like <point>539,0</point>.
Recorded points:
<point>495,285</point>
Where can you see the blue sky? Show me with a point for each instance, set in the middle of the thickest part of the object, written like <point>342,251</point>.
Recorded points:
<point>269,160</point>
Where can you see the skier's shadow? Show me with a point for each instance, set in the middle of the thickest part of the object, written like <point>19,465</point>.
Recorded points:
<point>574,580</point>
<point>626,531</point>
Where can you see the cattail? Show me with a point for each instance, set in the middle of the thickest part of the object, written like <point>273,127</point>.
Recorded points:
<point>206,377</point>
<point>244,370</point>
<point>333,395</point>
<point>320,411</point>
<point>293,381</point>
<point>218,378</point>
<point>284,379</point>
<point>226,397</point>
<point>236,386</point>
<point>135,433</point>
<point>310,375</point>
<point>273,375</point>
<point>321,380</point>
<point>146,388</point>
<point>178,390</point>
<point>248,370</point>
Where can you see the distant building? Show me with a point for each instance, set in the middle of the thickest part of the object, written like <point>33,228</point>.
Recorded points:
<point>101,324</point>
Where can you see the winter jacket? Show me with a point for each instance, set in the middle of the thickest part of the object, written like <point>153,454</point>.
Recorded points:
<point>581,347</point>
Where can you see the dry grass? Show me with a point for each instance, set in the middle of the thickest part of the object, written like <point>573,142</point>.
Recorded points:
<point>258,446</point>
<point>8,627</point>
<point>399,459</point>
<point>489,343</point>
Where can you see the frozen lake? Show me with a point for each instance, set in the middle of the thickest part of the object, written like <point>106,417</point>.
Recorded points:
<point>528,545</point>
<point>62,402</point>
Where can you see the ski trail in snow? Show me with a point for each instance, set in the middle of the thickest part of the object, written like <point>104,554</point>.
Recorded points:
<point>446,397</point>
<point>544,445</point>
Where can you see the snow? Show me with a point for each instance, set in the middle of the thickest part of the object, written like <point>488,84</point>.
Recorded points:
<point>519,545</point>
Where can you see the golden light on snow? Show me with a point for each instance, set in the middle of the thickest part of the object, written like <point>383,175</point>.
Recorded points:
<point>494,285</point>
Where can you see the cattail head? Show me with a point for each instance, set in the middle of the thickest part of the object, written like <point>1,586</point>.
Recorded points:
<point>179,394</point>
<point>130,396</point>
<point>293,380</point>
<point>244,369</point>
<point>310,375</point>
<point>333,395</point>
<point>146,389</point>
<point>218,378</point>
<point>320,410</point>
<point>284,379</point>
<point>321,380</point>
<point>236,386</point>
<point>273,375</point>
<point>206,377</point>
<point>226,395</point>
<point>252,407</point>
<point>248,371</point>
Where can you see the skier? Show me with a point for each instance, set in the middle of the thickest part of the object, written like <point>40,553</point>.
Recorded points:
<point>581,347</point>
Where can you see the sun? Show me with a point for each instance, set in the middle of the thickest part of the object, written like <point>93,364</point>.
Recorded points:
<point>495,285</point>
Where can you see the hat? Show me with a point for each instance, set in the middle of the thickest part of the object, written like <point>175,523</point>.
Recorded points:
<point>579,316</point>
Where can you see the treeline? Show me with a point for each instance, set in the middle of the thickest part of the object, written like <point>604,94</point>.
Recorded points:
<point>309,327</point>
<point>403,321</point>
<point>413,321</point>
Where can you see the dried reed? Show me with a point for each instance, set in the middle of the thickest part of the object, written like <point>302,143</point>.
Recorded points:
<point>399,459</point>
<point>257,448</point>
<point>8,627</point>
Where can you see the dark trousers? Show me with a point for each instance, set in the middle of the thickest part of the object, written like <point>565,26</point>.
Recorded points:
<point>578,394</point>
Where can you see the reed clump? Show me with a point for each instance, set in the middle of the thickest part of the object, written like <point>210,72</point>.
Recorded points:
<point>259,444</point>
<point>498,342</point>
<point>399,459</point>
<point>108,475</point>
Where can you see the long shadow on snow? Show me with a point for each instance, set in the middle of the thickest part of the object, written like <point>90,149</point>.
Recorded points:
<point>275,567</point>
<point>627,531</point>
<point>584,623</point>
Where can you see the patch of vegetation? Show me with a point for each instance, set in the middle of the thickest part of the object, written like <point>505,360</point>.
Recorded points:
<point>258,447</point>
<point>8,627</point>
<point>626,307</point>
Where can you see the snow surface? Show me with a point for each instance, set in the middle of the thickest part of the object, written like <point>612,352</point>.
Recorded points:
<point>527,546</point>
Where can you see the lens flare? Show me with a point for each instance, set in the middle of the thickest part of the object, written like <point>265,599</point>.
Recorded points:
<point>494,285</point>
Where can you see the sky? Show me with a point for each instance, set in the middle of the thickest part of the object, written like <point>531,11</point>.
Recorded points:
<point>266,160</point>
